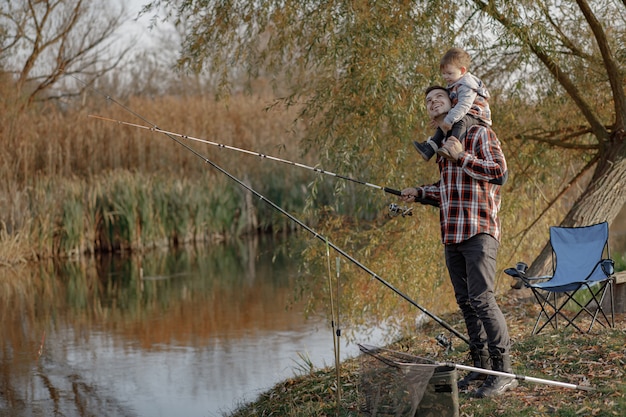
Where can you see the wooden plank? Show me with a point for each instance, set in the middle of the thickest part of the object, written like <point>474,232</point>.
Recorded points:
<point>620,277</point>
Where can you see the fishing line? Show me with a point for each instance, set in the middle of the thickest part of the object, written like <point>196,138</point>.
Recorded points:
<point>393,208</point>
<point>295,220</point>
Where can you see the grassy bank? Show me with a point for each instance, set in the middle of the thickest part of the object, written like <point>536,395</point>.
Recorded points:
<point>597,359</point>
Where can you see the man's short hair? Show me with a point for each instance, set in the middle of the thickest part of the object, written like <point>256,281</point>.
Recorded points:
<point>435,87</point>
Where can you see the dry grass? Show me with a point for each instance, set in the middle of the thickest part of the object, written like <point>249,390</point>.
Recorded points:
<point>73,184</point>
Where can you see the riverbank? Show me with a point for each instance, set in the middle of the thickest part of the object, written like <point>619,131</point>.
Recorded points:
<point>597,359</point>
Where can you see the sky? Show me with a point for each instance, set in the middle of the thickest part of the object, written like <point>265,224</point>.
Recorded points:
<point>138,27</point>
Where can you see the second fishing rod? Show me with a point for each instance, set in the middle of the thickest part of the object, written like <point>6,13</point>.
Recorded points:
<point>298,222</point>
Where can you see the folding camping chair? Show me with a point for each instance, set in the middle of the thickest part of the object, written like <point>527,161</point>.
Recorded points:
<point>582,276</point>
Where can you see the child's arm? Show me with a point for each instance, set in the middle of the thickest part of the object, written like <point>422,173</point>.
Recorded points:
<point>466,96</point>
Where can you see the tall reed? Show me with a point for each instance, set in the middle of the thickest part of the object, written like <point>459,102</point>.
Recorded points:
<point>75,185</point>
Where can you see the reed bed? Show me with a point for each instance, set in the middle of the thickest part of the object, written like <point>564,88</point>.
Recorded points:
<point>122,211</point>
<point>76,185</point>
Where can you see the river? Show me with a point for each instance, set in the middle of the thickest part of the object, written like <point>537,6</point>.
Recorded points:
<point>190,333</point>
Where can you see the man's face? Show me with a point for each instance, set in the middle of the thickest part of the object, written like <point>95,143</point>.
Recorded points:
<point>437,103</point>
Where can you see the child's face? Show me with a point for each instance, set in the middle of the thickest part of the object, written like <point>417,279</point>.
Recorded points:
<point>451,73</point>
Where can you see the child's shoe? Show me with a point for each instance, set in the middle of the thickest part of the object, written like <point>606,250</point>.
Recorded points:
<point>426,149</point>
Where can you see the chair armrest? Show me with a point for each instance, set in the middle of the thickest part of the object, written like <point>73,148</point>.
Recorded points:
<point>539,278</point>
<point>608,266</point>
<point>516,273</point>
<point>513,272</point>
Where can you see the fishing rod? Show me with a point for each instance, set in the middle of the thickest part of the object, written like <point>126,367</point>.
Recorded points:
<point>297,221</point>
<point>393,210</point>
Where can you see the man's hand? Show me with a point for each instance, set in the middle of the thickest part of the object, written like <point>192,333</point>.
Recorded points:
<point>452,149</point>
<point>408,194</point>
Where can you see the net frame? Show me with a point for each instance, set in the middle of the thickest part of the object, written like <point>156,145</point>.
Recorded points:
<point>393,383</point>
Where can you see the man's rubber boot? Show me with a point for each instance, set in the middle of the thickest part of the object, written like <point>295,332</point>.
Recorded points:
<point>480,359</point>
<point>426,149</point>
<point>497,385</point>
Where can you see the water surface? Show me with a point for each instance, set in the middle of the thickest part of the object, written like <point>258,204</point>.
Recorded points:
<point>192,333</point>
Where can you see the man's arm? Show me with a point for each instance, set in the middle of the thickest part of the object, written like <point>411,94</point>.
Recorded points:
<point>480,155</point>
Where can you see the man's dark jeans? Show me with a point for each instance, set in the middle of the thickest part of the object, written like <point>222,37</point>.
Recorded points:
<point>472,268</point>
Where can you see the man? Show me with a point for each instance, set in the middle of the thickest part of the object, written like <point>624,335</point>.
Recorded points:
<point>468,192</point>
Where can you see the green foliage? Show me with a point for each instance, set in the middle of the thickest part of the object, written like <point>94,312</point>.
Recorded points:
<point>124,211</point>
<point>71,224</point>
<point>620,262</point>
<point>356,72</point>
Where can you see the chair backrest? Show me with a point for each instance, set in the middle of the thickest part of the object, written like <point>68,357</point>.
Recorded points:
<point>578,252</point>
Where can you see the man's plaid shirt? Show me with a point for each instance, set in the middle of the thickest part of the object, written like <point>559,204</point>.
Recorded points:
<point>468,202</point>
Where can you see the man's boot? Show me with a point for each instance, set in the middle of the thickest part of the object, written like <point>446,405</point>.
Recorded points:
<point>480,359</point>
<point>497,385</point>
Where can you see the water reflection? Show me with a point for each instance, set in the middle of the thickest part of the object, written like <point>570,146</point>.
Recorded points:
<point>190,333</point>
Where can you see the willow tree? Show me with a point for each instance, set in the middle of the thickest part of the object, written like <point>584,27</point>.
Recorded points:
<point>575,55</point>
<point>357,69</point>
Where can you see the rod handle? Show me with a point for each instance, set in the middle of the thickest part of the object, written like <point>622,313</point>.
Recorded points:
<point>392,191</point>
<point>425,201</point>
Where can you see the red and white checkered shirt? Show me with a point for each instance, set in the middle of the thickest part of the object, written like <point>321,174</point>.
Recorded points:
<point>468,202</point>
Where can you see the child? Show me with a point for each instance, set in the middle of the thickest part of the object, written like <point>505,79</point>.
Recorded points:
<point>469,102</point>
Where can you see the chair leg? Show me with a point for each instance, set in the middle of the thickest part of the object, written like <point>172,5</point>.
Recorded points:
<point>612,304</point>
<point>550,317</point>
<point>601,293</point>
<point>569,296</point>
<point>551,302</point>
<point>597,297</point>
<point>542,301</point>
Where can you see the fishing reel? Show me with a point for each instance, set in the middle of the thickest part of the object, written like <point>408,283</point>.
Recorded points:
<point>445,342</point>
<point>396,210</point>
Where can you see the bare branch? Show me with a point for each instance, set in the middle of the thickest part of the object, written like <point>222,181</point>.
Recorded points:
<point>560,138</point>
<point>557,197</point>
<point>522,32</point>
<point>54,37</point>
<point>612,68</point>
<point>567,42</point>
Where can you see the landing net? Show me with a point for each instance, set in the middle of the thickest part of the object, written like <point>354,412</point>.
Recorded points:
<point>392,383</point>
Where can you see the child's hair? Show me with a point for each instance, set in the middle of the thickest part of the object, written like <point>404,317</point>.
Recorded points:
<point>457,57</point>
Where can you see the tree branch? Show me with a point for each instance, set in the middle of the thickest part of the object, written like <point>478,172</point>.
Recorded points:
<point>560,139</point>
<point>612,68</point>
<point>556,198</point>
<point>564,38</point>
<point>522,32</point>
